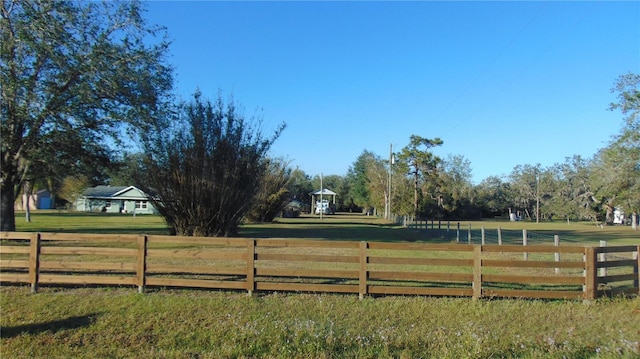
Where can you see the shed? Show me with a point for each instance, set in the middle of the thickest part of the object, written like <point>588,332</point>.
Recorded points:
<point>42,199</point>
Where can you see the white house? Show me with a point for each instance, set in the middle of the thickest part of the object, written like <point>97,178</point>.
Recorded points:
<point>116,199</point>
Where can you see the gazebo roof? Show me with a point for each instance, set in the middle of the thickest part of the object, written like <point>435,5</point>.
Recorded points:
<point>323,192</point>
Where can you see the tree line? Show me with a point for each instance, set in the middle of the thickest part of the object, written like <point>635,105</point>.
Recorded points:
<point>81,80</point>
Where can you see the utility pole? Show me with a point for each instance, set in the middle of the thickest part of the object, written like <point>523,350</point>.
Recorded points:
<point>389,182</point>
<point>321,201</point>
<point>537,196</point>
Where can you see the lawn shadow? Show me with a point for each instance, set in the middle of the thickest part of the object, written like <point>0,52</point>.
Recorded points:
<point>341,231</point>
<point>75,322</point>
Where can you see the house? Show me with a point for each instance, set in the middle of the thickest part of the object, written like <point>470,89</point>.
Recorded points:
<point>116,199</point>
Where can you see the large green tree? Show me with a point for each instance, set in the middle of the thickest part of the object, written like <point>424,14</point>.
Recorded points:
<point>360,182</point>
<point>572,193</point>
<point>622,157</point>
<point>76,77</point>
<point>420,164</point>
<point>206,168</point>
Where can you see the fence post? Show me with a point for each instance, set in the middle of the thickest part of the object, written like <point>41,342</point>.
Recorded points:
<point>477,272</point>
<point>556,255</point>
<point>251,268</point>
<point>636,269</point>
<point>34,261</point>
<point>458,233</point>
<point>524,243</point>
<point>364,273</point>
<point>602,257</point>
<point>591,274</point>
<point>469,233</point>
<point>483,237</point>
<point>448,228</point>
<point>499,236</point>
<point>141,267</point>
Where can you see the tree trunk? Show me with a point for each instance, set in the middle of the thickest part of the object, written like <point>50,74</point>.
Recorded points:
<point>27,195</point>
<point>415,194</point>
<point>7,211</point>
<point>634,220</point>
<point>609,214</point>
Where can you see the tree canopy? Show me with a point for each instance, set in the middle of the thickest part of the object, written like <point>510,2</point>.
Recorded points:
<point>76,77</point>
<point>206,168</point>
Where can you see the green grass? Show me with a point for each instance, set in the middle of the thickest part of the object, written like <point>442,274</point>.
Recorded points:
<point>341,226</point>
<point>112,322</point>
<point>116,323</point>
<point>80,222</point>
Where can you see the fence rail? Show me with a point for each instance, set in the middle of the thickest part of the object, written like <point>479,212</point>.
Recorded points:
<point>363,268</point>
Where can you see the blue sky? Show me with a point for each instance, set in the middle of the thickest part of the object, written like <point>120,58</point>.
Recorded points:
<point>501,83</point>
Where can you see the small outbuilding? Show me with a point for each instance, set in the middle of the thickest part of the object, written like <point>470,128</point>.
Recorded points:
<point>42,199</point>
<point>321,196</point>
<point>116,199</point>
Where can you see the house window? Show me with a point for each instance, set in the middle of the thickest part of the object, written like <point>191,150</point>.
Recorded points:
<point>141,204</point>
<point>107,204</point>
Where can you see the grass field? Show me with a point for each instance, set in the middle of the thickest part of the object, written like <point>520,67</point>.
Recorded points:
<point>112,322</point>
<point>342,226</point>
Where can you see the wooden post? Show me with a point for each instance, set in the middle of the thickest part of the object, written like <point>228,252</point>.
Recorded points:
<point>364,273</point>
<point>448,228</point>
<point>469,233</point>
<point>524,243</point>
<point>556,255</point>
<point>458,233</point>
<point>251,267</point>
<point>477,272</point>
<point>141,267</point>
<point>34,261</point>
<point>499,236</point>
<point>636,269</point>
<point>602,257</point>
<point>591,274</point>
<point>483,241</point>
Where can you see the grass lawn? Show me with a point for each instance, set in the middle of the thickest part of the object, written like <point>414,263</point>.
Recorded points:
<point>114,322</point>
<point>342,226</point>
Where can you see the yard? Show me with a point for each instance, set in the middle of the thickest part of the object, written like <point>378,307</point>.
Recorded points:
<point>92,322</point>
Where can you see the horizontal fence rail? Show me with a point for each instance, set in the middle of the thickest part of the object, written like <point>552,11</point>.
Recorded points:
<point>363,268</point>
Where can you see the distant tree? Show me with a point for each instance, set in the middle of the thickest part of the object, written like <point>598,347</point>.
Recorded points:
<point>378,184</point>
<point>493,196</point>
<point>300,186</point>
<point>359,192</point>
<point>342,189</point>
<point>455,195</point>
<point>573,195</point>
<point>524,185</point>
<point>420,163</point>
<point>75,76</point>
<point>205,170</point>
<point>273,192</point>
<point>72,187</point>
<point>122,171</point>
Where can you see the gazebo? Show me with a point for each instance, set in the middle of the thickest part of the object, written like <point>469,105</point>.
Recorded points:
<point>321,194</point>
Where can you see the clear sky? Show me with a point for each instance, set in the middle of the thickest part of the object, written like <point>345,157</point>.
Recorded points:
<point>501,83</point>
